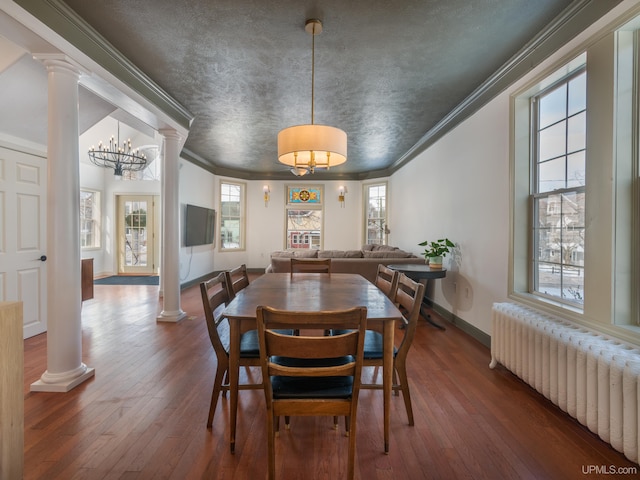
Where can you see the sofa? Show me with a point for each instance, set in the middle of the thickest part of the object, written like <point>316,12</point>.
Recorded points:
<point>364,261</point>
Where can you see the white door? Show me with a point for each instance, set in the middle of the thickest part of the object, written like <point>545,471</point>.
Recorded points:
<point>136,234</point>
<point>23,194</point>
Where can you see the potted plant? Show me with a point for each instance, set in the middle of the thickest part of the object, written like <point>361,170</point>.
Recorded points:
<point>434,252</point>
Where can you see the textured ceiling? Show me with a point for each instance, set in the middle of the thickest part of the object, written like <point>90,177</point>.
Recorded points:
<point>386,71</point>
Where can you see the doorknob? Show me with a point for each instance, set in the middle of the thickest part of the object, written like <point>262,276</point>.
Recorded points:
<point>43,258</point>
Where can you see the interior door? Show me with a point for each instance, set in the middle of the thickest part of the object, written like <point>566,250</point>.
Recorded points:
<point>136,234</point>
<point>23,276</point>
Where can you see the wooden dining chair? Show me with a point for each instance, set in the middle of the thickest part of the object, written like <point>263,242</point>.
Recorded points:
<point>387,280</point>
<point>310,265</point>
<point>408,296</point>
<point>214,297</point>
<point>236,279</point>
<point>311,375</point>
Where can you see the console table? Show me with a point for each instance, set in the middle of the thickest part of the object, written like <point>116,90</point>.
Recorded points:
<point>87,278</point>
<point>424,273</point>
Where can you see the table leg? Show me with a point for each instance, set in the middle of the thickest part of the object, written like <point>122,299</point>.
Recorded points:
<point>234,373</point>
<point>387,377</point>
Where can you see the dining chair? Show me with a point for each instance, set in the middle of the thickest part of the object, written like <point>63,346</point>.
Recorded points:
<point>214,297</point>
<point>387,280</point>
<point>408,296</point>
<point>310,265</point>
<point>311,375</point>
<point>236,279</point>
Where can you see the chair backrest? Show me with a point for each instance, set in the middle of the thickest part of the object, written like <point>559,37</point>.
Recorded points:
<point>334,364</point>
<point>310,265</point>
<point>408,296</point>
<point>236,279</point>
<point>214,298</point>
<point>305,347</point>
<point>387,280</point>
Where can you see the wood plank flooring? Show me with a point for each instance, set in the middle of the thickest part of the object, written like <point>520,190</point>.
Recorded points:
<point>143,415</point>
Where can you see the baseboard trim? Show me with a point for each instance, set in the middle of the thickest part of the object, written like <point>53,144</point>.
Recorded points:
<point>466,327</point>
<point>198,280</point>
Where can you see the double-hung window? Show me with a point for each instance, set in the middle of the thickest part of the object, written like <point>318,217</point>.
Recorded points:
<point>232,217</point>
<point>558,193</point>
<point>574,199</point>
<point>89,219</point>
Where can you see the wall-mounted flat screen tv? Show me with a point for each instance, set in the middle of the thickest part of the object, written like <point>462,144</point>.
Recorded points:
<point>200,224</point>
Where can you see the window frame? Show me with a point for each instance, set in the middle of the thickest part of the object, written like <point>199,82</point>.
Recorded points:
<point>242,217</point>
<point>384,229</point>
<point>293,205</point>
<point>537,195</point>
<point>523,184</point>
<point>612,205</point>
<point>96,220</point>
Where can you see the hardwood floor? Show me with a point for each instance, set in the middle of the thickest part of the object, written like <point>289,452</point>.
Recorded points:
<point>144,414</point>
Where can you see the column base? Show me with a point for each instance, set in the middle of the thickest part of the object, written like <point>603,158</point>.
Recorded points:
<point>62,386</point>
<point>172,317</point>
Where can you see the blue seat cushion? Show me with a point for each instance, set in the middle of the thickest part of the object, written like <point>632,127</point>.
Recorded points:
<point>311,387</point>
<point>373,344</point>
<point>249,345</point>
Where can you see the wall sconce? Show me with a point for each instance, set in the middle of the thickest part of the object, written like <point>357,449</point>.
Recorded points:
<point>266,191</point>
<point>342,191</point>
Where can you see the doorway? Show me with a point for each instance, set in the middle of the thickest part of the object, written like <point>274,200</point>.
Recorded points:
<point>23,235</point>
<point>137,234</point>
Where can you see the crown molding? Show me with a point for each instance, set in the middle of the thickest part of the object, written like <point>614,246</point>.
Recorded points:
<point>572,21</point>
<point>59,18</point>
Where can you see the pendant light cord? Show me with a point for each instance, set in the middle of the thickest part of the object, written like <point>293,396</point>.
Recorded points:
<point>313,67</point>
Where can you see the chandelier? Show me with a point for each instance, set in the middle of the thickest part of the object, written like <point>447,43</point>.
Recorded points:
<point>307,147</point>
<point>118,156</point>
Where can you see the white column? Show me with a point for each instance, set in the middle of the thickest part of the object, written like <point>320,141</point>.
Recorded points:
<point>65,369</point>
<point>170,265</point>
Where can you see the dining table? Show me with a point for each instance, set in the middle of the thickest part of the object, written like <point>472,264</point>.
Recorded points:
<point>310,292</point>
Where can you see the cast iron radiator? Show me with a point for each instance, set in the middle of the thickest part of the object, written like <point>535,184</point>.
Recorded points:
<point>592,377</point>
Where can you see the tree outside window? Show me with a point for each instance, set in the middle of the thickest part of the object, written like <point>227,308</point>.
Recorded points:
<point>304,228</point>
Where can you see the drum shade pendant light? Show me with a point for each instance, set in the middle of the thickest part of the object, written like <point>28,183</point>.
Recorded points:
<point>307,147</point>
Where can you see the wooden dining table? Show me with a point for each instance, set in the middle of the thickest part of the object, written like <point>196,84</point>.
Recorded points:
<point>307,292</point>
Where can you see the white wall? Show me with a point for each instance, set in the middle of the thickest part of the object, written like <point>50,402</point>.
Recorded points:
<point>103,181</point>
<point>266,224</point>
<point>197,187</point>
<point>459,189</point>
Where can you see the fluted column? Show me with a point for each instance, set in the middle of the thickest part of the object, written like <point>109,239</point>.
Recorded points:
<point>170,241</point>
<point>65,369</point>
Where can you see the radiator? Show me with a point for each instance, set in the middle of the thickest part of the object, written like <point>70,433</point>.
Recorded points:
<point>592,377</point>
